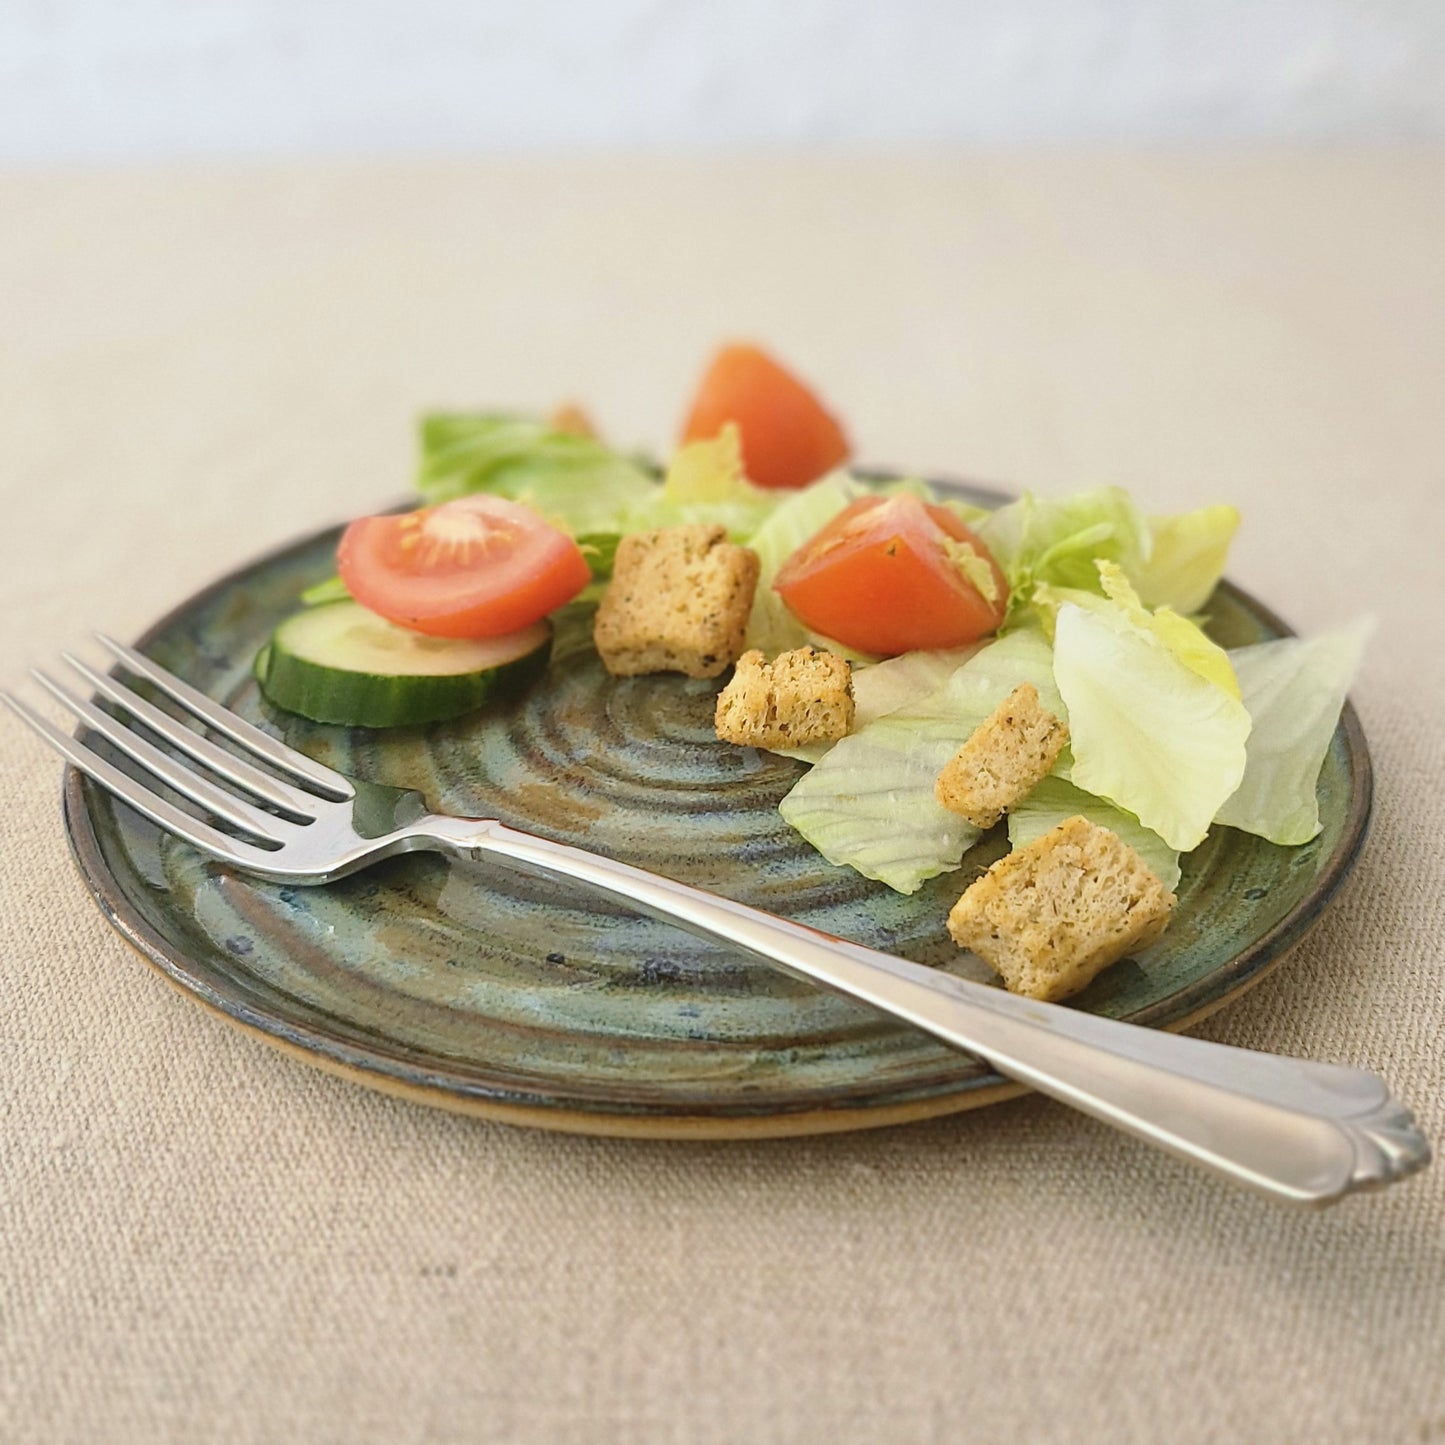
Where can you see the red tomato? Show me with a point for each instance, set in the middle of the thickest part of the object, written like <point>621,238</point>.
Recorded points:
<point>888,575</point>
<point>476,567</point>
<point>788,438</point>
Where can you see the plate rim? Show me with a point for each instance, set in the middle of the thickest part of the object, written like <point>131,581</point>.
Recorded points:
<point>371,1067</point>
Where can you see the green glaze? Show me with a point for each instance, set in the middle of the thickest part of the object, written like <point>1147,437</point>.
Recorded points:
<point>472,988</point>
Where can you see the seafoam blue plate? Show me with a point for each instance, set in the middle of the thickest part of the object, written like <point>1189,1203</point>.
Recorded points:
<point>464,986</point>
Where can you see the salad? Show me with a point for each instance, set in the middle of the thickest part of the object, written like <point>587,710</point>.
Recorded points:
<point>942,610</point>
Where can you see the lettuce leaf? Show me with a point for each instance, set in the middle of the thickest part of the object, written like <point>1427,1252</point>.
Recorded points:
<point>1148,731</point>
<point>1049,546</point>
<point>870,803</point>
<point>574,481</point>
<point>1054,800</point>
<point>1186,557</point>
<point>1294,689</point>
<point>1057,541</point>
<point>1181,635</point>
<point>333,589</point>
<point>705,483</point>
<point>1185,639</point>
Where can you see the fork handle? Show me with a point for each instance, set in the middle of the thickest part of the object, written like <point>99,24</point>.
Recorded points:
<point>1300,1131</point>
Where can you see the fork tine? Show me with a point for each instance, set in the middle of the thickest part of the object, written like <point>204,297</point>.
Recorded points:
<point>265,786</point>
<point>333,784</point>
<point>168,769</point>
<point>157,809</point>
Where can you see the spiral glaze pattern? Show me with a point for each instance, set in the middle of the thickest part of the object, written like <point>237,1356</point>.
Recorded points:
<point>476,981</point>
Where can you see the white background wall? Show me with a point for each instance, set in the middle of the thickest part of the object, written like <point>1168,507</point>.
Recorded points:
<point>139,79</point>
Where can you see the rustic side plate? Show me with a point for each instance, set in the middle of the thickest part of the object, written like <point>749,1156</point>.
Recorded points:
<point>478,990</point>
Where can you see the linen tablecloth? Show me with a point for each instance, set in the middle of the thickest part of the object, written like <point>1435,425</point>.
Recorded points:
<point>201,1239</point>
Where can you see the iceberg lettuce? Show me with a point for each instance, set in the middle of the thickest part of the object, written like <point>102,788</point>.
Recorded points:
<point>1185,639</point>
<point>704,483</point>
<point>582,486</point>
<point>1149,730</point>
<point>1056,542</point>
<point>574,481</point>
<point>1294,689</point>
<point>1054,800</point>
<point>1048,546</point>
<point>1186,557</point>
<point>870,803</point>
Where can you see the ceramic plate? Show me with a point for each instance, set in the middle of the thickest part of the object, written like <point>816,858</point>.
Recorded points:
<point>462,985</point>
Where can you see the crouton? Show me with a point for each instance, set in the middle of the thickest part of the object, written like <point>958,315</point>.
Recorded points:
<point>679,602</point>
<point>1007,757</point>
<point>803,696</point>
<point>1048,917</point>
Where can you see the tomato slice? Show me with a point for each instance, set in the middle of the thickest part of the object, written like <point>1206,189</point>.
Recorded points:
<point>891,574</point>
<point>788,437</point>
<point>480,566</point>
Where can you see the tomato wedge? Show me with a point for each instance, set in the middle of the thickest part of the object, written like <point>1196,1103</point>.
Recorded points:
<point>788,437</point>
<point>480,566</point>
<point>891,574</point>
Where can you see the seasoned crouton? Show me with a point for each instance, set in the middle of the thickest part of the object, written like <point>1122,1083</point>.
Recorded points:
<point>803,696</point>
<point>1050,916</point>
<point>1007,757</point>
<point>679,602</point>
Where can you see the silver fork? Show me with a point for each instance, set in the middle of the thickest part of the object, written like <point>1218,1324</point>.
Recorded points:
<point>1304,1132</point>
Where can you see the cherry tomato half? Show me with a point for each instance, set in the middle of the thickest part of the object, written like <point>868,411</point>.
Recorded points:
<point>788,437</point>
<point>480,566</point>
<point>891,574</point>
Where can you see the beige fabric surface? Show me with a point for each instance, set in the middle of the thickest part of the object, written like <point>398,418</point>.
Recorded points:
<point>203,1240</point>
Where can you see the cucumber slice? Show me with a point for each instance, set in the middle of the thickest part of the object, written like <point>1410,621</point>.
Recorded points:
<point>340,663</point>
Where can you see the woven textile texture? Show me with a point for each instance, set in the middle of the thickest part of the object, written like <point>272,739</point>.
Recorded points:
<point>203,1240</point>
